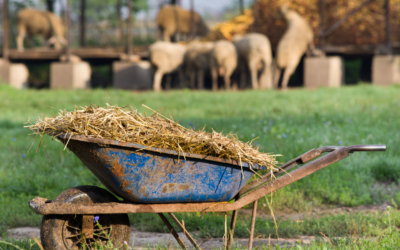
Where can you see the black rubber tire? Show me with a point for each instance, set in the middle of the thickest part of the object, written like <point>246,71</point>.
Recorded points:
<point>52,229</point>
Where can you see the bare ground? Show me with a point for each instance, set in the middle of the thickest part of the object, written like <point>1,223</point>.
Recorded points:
<point>145,240</point>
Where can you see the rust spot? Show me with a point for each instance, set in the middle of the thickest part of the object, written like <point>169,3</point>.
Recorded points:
<point>119,172</point>
<point>142,190</point>
<point>174,187</point>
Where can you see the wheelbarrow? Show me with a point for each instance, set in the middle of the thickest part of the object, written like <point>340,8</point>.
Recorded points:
<point>154,180</point>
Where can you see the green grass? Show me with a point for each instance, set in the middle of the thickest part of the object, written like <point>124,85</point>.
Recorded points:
<point>288,123</point>
<point>341,225</point>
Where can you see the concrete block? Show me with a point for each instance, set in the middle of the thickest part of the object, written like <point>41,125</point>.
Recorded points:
<point>132,75</point>
<point>323,72</point>
<point>14,74</point>
<point>70,75</point>
<point>386,70</point>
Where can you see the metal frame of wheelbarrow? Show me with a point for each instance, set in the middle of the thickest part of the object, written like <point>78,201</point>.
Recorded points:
<point>248,194</point>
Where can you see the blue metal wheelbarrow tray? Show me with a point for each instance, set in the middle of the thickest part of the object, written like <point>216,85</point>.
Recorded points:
<point>141,174</point>
<point>154,180</point>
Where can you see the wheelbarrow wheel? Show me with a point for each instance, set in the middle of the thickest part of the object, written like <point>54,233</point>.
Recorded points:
<point>63,232</point>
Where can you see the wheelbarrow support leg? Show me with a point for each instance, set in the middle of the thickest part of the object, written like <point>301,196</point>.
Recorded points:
<point>253,222</point>
<point>172,230</point>
<point>184,231</point>
<point>231,229</point>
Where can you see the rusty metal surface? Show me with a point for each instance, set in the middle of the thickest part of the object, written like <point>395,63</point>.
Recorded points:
<point>231,229</point>
<point>156,175</point>
<point>187,234</point>
<point>41,207</point>
<point>310,155</point>
<point>87,226</point>
<point>253,223</point>
<point>150,177</point>
<point>172,231</point>
<point>106,142</point>
<point>304,158</point>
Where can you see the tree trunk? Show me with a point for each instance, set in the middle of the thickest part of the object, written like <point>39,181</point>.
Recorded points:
<point>120,23</point>
<point>82,23</point>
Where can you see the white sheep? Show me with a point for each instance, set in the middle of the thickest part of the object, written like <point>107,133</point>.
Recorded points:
<point>166,57</point>
<point>254,50</point>
<point>296,40</point>
<point>223,62</point>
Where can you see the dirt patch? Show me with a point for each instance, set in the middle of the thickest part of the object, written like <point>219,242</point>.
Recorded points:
<point>317,212</point>
<point>24,232</point>
<point>144,240</point>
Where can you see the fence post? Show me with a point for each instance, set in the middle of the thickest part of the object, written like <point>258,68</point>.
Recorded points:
<point>129,26</point>
<point>192,26</point>
<point>83,23</point>
<point>255,10</point>
<point>321,23</point>
<point>68,35</point>
<point>388,28</point>
<point>120,25</point>
<point>5,30</point>
<point>50,5</point>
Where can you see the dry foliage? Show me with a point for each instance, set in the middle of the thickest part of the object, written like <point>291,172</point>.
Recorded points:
<point>127,125</point>
<point>364,27</point>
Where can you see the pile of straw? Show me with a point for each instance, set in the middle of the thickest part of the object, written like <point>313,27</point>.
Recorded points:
<point>127,125</point>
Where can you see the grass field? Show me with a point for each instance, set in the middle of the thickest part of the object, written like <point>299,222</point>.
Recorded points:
<point>288,123</point>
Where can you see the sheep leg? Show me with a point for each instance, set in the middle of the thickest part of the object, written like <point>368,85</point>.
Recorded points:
<point>227,77</point>
<point>266,77</point>
<point>286,76</point>
<point>253,73</point>
<point>214,75</point>
<point>20,37</point>
<point>57,44</point>
<point>167,36</point>
<point>227,80</point>
<point>157,80</point>
<point>61,40</point>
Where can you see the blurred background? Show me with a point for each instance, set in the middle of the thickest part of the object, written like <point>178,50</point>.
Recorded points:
<point>354,30</point>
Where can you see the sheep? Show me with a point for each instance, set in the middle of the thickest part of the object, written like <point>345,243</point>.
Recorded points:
<point>254,50</point>
<point>296,40</point>
<point>36,22</point>
<point>223,62</point>
<point>173,19</point>
<point>197,61</point>
<point>166,57</point>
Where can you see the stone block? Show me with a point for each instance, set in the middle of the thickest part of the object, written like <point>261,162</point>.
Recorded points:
<point>386,69</point>
<point>70,75</point>
<point>323,72</point>
<point>132,75</point>
<point>14,74</point>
